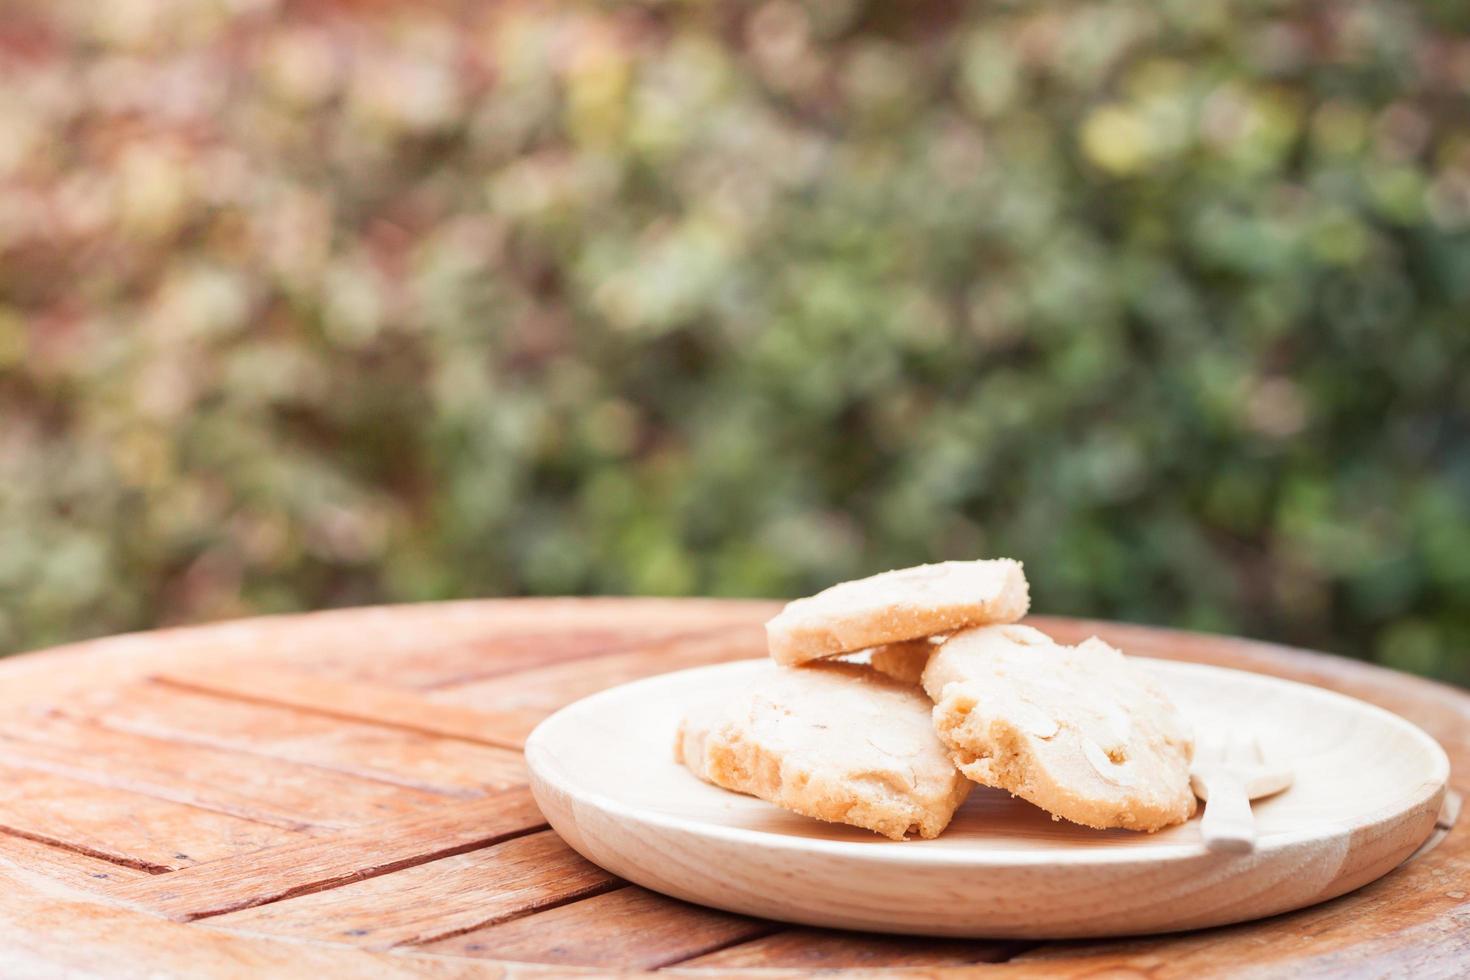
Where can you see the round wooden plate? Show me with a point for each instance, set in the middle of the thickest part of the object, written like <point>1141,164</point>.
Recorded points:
<point>1367,791</point>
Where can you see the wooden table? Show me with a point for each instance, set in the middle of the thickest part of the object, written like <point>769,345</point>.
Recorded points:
<point>341,794</point>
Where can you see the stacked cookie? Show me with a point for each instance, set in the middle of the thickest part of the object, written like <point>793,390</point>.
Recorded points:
<point>949,691</point>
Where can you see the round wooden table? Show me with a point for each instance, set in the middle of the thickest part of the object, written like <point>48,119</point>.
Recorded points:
<point>342,794</point>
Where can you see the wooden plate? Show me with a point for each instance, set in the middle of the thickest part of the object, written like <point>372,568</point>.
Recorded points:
<point>1368,788</point>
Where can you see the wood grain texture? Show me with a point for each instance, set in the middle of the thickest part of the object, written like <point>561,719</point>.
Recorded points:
<point>537,693</point>
<point>457,643</point>
<point>433,900</point>
<point>46,933</point>
<point>547,643</point>
<point>377,643</point>
<point>449,766</point>
<point>1449,814</point>
<point>359,701</point>
<point>481,673</point>
<point>259,789</point>
<point>320,863</point>
<point>833,949</point>
<point>72,868</point>
<point>626,929</point>
<point>123,827</point>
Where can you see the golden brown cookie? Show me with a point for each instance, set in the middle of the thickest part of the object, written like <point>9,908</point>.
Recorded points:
<point>905,660</point>
<point>904,604</point>
<point>838,742</point>
<point>1079,731</point>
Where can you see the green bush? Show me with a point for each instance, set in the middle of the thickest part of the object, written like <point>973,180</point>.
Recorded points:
<point>303,306</point>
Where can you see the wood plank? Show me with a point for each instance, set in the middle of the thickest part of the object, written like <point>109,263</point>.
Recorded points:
<point>382,643</point>
<point>122,827</point>
<point>438,765</point>
<point>320,863</point>
<point>626,929</point>
<point>69,867</point>
<point>44,934</point>
<point>434,900</point>
<point>359,701</point>
<point>831,949</point>
<point>264,790</point>
<point>537,693</point>
<point>525,649</point>
<point>454,643</point>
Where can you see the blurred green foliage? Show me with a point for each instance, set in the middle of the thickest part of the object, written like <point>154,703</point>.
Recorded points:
<point>314,304</point>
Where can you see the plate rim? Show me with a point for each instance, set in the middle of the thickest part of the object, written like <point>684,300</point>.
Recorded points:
<point>954,858</point>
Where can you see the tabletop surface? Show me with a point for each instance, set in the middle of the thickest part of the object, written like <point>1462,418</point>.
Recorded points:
<point>345,792</point>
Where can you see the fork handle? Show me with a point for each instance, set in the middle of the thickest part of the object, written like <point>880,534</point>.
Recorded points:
<point>1227,825</point>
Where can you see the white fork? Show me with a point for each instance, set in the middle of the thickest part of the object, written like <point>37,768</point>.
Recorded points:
<point>1227,776</point>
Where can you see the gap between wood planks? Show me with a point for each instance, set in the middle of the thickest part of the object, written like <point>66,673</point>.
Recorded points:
<point>622,928</point>
<point>131,827</point>
<point>92,852</point>
<point>320,863</point>
<point>776,929</point>
<point>364,750</point>
<point>437,898</point>
<point>630,646</point>
<point>393,707</point>
<point>581,895</point>
<point>1449,812</point>
<point>704,962</point>
<point>377,871</point>
<point>360,701</point>
<point>631,928</point>
<point>268,791</point>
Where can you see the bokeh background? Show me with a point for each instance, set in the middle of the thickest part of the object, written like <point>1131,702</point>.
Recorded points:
<point>308,304</point>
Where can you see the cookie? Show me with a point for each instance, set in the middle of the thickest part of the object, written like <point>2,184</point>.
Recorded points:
<point>838,742</point>
<point>1078,731</point>
<point>904,604</point>
<point>905,660</point>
